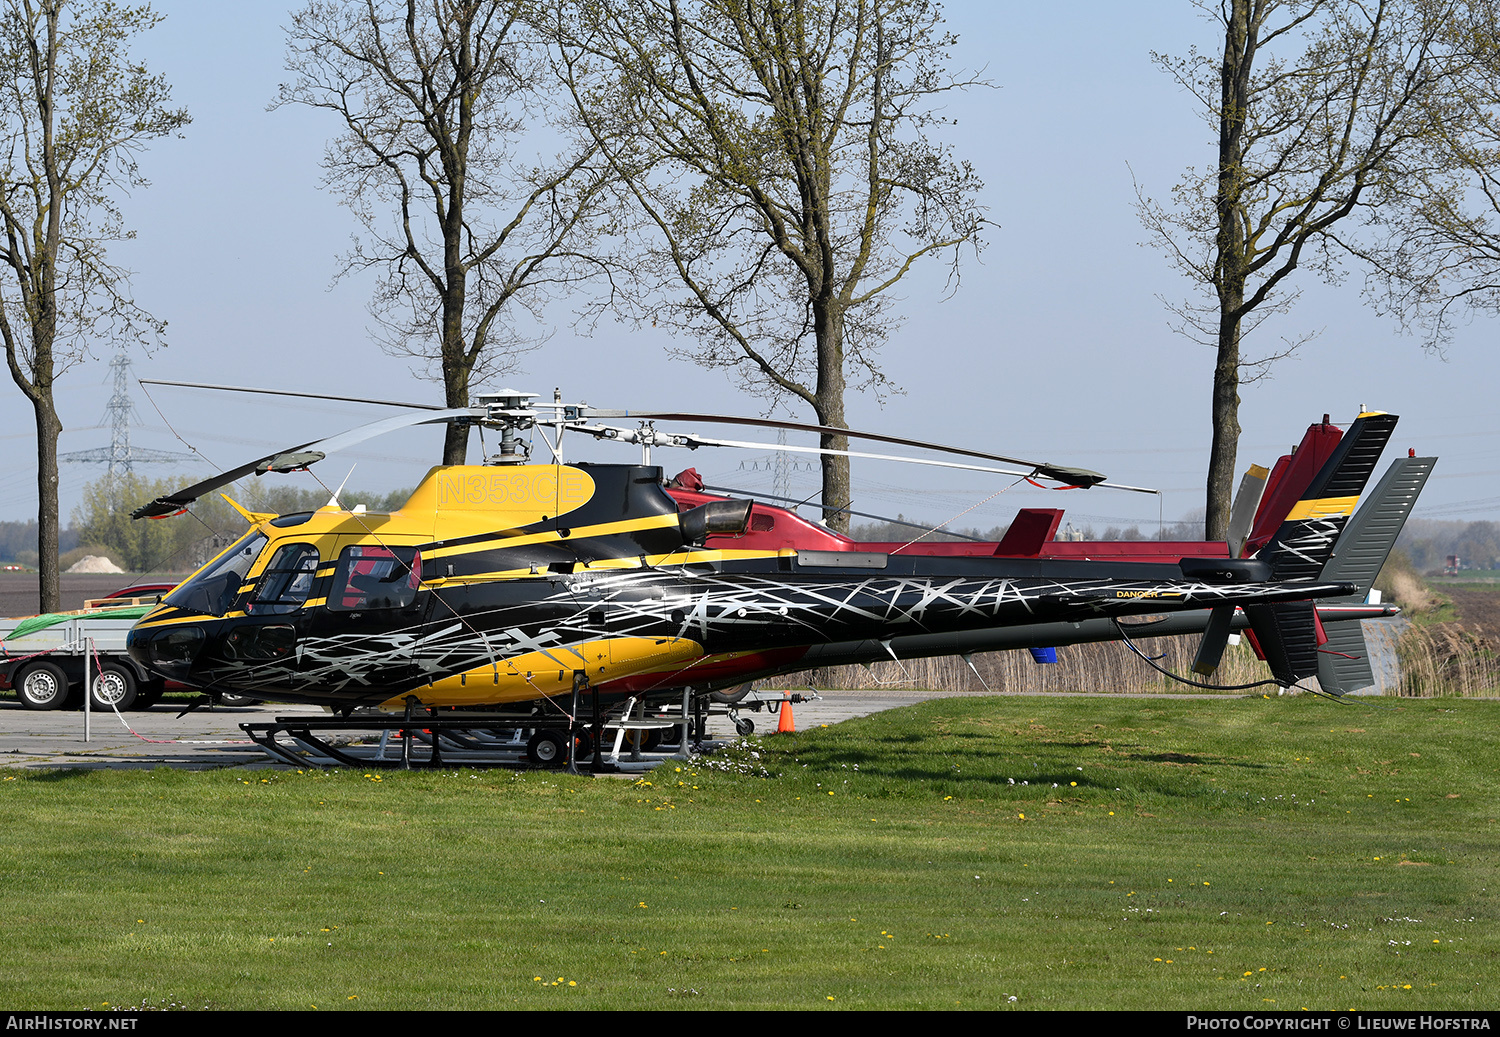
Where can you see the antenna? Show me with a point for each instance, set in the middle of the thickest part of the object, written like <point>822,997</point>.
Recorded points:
<point>333,502</point>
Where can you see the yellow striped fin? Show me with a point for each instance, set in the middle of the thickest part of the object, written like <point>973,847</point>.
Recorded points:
<point>1327,507</point>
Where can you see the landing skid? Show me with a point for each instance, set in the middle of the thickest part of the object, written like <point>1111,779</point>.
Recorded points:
<point>450,740</point>
<point>635,738</point>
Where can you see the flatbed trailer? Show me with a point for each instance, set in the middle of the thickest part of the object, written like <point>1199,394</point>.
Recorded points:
<point>42,657</point>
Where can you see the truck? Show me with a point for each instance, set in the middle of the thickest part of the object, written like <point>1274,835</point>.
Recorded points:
<point>42,657</point>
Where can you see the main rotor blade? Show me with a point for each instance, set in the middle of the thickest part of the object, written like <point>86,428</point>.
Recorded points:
<point>1062,473</point>
<point>284,392</point>
<point>175,502</point>
<point>697,441</point>
<point>298,457</point>
<point>758,495</point>
<point>1050,472</point>
<point>1083,477</point>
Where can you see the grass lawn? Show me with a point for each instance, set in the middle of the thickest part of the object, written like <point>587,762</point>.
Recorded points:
<point>970,853</point>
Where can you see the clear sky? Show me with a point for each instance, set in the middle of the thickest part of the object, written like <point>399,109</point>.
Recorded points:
<point>1056,345</point>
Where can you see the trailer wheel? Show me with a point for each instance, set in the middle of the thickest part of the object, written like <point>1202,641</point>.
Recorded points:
<point>229,698</point>
<point>647,740</point>
<point>547,748</point>
<point>744,726</point>
<point>729,698</point>
<point>43,685</point>
<point>114,688</point>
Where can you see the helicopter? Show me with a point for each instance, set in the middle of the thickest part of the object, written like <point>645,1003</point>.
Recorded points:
<point>1265,497</point>
<point>504,585</point>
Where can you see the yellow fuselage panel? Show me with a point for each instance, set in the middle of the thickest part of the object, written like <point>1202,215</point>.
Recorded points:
<point>457,501</point>
<point>466,499</point>
<point>550,673</point>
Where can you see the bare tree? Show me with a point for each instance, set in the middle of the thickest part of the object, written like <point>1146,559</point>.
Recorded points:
<point>1440,257</point>
<point>78,113</point>
<point>777,152</point>
<point>1323,111</point>
<point>437,98</point>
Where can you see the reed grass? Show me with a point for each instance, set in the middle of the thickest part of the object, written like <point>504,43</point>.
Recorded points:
<point>1447,659</point>
<point>1108,668</point>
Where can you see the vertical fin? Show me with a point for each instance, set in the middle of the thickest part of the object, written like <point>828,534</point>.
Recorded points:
<point>1302,546</point>
<point>1304,542</point>
<point>1215,639</point>
<point>1246,503</point>
<point>1290,476</point>
<point>1029,531</point>
<point>1371,534</point>
<point>1288,634</point>
<point>1344,662</point>
<point>1359,555</point>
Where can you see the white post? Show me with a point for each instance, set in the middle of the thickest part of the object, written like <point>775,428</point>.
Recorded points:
<point>683,751</point>
<point>88,698</point>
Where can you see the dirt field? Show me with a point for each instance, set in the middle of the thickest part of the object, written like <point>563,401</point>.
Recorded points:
<point>18,593</point>
<point>1479,610</point>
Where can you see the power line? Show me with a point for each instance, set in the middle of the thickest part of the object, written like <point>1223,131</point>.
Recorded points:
<point>120,457</point>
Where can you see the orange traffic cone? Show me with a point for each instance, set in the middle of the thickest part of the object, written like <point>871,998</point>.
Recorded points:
<point>785,723</point>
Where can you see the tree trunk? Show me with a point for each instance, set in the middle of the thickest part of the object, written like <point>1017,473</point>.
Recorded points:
<point>1229,271</point>
<point>456,365</point>
<point>1226,429</point>
<point>828,332</point>
<point>836,484</point>
<point>456,393</point>
<point>48,427</point>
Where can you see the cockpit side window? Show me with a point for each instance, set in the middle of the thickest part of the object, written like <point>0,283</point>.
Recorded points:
<point>370,577</point>
<point>285,584</point>
<point>213,591</point>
